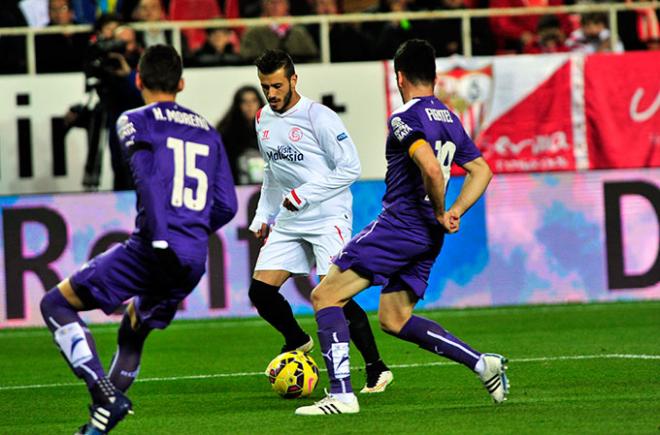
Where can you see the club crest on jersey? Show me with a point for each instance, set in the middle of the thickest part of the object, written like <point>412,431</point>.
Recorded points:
<point>286,152</point>
<point>295,134</point>
<point>400,128</point>
<point>125,128</point>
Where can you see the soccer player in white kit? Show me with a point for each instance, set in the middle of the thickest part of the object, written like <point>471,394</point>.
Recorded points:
<point>310,162</point>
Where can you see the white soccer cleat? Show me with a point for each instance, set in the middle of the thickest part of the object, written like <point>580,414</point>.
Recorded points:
<point>378,385</point>
<point>494,376</point>
<point>330,405</point>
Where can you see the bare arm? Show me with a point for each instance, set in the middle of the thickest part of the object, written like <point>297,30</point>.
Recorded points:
<point>434,182</point>
<point>476,181</point>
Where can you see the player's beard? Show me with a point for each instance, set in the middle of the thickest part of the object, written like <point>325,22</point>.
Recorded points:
<point>286,100</point>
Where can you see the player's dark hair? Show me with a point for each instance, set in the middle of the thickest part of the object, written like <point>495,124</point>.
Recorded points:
<point>415,58</point>
<point>160,69</point>
<point>272,60</point>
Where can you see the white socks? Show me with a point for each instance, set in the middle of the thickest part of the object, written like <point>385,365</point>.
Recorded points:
<point>481,366</point>
<point>345,397</point>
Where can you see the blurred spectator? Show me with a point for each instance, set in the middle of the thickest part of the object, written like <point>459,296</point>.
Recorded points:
<point>293,39</point>
<point>513,33</point>
<point>302,7</point>
<point>110,71</point>
<point>125,96</point>
<point>250,8</point>
<point>550,38</point>
<point>105,26</point>
<point>446,35</point>
<point>240,137</point>
<point>181,10</point>
<point>12,48</point>
<point>61,52</point>
<point>639,29</point>
<point>348,43</point>
<point>394,33</point>
<point>593,36</point>
<point>151,11</point>
<point>218,50</point>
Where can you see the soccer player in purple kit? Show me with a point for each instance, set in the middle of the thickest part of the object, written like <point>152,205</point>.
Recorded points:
<point>185,191</point>
<point>398,249</point>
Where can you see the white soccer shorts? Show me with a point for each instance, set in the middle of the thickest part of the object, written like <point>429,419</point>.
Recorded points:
<point>299,253</point>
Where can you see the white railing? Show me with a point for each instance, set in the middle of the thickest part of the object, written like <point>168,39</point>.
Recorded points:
<point>326,20</point>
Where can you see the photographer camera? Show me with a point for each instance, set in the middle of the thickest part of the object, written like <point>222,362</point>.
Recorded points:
<point>110,73</point>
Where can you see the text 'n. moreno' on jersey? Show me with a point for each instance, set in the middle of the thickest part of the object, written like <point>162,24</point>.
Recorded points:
<point>308,150</point>
<point>425,118</point>
<point>183,184</point>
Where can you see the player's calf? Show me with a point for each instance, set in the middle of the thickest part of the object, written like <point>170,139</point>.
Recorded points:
<point>72,337</point>
<point>273,308</point>
<point>125,364</point>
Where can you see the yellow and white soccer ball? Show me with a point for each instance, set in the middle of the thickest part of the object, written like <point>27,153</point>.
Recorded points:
<point>293,374</point>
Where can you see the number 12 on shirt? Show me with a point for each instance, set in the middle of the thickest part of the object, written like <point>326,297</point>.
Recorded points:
<point>185,164</point>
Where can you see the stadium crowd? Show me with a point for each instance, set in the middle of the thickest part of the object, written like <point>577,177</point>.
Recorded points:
<point>638,30</point>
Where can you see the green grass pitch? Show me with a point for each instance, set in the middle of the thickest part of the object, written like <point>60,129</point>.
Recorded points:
<point>592,368</point>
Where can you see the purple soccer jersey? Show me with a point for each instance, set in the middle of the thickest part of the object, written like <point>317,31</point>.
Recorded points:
<point>429,119</point>
<point>398,249</point>
<point>185,191</point>
<point>184,185</point>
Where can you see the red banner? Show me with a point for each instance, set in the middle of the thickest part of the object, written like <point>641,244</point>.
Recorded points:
<point>561,112</point>
<point>535,134</point>
<point>622,106</point>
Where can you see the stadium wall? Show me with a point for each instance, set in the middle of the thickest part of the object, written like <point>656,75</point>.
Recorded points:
<point>561,112</point>
<point>543,238</point>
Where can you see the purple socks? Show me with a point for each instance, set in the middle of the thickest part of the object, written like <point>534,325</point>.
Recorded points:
<point>434,338</point>
<point>72,337</point>
<point>334,340</point>
<point>126,361</point>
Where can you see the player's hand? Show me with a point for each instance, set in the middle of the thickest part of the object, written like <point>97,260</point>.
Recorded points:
<point>293,201</point>
<point>262,233</point>
<point>289,205</point>
<point>124,68</point>
<point>451,220</point>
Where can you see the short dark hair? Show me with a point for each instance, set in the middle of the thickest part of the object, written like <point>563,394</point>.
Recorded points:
<point>272,60</point>
<point>594,18</point>
<point>415,58</point>
<point>104,19</point>
<point>160,68</point>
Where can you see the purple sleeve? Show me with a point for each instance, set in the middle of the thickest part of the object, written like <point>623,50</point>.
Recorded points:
<point>152,197</point>
<point>407,128</point>
<point>224,193</point>
<point>467,150</point>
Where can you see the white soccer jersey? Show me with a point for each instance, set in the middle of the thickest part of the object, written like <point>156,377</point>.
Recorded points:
<point>308,153</point>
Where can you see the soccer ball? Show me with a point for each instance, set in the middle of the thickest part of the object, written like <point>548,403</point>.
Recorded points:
<point>293,374</point>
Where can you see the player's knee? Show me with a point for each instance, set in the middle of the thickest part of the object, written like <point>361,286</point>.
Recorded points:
<point>323,297</point>
<point>391,323</point>
<point>51,299</point>
<point>318,298</point>
<point>261,293</point>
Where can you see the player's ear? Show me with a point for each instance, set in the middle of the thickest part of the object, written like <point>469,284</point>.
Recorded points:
<point>138,82</point>
<point>294,80</point>
<point>181,85</point>
<point>399,79</point>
